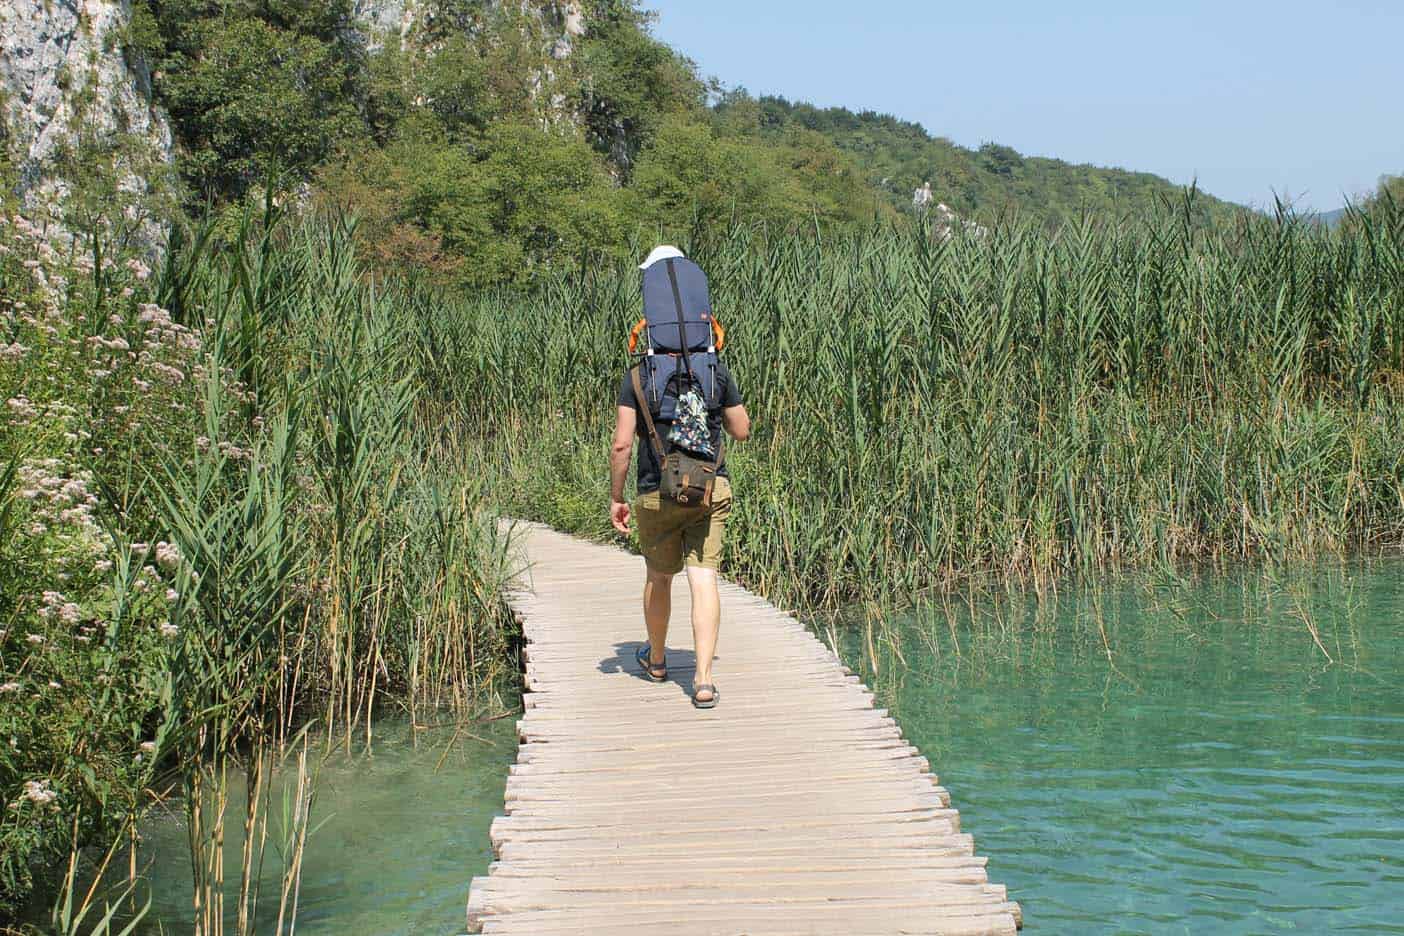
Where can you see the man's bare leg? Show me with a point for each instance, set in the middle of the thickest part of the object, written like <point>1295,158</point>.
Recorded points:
<point>657,607</point>
<point>706,621</point>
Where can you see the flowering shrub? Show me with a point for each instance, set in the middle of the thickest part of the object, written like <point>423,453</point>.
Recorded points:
<point>207,532</point>
<point>90,373</point>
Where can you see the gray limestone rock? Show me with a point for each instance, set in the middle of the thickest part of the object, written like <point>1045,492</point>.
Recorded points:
<point>64,77</point>
<point>381,18</point>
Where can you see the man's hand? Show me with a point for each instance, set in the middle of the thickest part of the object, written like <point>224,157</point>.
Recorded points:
<point>619,516</point>
<point>619,452</point>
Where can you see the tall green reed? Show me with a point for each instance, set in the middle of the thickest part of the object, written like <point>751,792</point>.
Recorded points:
<point>1013,403</point>
<point>333,562</point>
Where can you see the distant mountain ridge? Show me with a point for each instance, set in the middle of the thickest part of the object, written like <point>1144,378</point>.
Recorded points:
<point>899,156</point>
<point>1331,218</point>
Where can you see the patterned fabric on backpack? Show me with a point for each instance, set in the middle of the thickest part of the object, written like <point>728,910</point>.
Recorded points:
<point>689,430</point>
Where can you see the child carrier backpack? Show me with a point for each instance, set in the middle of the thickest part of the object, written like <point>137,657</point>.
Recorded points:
<point>676,378</point>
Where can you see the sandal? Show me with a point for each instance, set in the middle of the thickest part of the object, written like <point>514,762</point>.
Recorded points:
<point>705,703</point>
<point>655,672</point>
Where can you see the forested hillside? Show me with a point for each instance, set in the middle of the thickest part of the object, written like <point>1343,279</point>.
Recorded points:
<point>484,142</point>
<point>897,156</point>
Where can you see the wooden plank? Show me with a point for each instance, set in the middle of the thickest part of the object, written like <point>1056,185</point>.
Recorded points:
<point>706,867</point>
<point>795,806</point>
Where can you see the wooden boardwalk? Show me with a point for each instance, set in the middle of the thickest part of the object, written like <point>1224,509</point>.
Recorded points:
<point>792,807</point>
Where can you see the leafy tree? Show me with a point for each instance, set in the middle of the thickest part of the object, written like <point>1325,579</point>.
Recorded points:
<point>249,84</point>
<point>680,172</point>
<point>631,83</point>
<point>454,82</point>
<point>1390,188</point>
<point>737,114</point>
<point>549,195</point>
<point>519,201</point>
<point>827,183</point>
<point>390,93</point>
<point>474,150</point>
<point>896,156</point>
<point>1001,160</point>
<point>688,173</point>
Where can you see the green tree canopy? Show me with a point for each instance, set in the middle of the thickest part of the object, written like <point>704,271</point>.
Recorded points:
<point>253,84</point>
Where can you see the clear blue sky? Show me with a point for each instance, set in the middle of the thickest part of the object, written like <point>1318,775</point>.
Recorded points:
<point>1304,98</point>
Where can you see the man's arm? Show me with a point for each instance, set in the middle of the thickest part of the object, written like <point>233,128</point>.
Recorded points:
<point>619,452</point>
<point>737,422</point>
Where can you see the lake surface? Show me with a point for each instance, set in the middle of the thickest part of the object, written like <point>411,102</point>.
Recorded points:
<point>1155,756</point>
<point>402,833</point>
<point>1217,774</point>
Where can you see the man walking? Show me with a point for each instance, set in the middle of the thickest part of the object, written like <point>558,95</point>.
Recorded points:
<point>673,535</point>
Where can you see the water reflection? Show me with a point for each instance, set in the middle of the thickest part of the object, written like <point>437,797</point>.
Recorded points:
<point>1220,755</point>
<point>402,832</point>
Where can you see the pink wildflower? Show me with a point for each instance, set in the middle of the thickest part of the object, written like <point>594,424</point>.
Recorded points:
<point>167,555</point>
<point>37,791</point>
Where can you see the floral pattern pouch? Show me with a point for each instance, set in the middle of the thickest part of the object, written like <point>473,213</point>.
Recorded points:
<point>689,429</point>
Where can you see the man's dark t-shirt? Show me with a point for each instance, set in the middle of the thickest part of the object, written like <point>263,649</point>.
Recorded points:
<point>648,459</point>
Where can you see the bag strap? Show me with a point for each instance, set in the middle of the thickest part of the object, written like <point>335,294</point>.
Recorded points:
<point>647,414</point>
<point>682,325</point>
<point>682,334</point>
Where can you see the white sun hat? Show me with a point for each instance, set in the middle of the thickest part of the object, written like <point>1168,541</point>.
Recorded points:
<point>661,252</point>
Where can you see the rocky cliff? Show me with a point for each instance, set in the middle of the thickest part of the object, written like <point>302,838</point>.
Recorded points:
<point>66,86</point>
<point>74,101</point>
<point>381,19</point>
<point>422,23</point>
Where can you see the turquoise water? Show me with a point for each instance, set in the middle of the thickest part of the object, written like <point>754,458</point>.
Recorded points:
<point>399,834</point>
<point>1172,758</point>
<point>1150,757</point>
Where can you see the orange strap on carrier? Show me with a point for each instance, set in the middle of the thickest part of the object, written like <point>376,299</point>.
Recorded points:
<point>718,333</point>
<point>634,334</point>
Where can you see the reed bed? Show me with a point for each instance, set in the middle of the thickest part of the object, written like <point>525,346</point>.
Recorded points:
<point>1013,404</point>
<point>228,512</point>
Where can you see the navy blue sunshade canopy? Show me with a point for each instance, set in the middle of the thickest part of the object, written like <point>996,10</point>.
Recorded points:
<point>661,312</point>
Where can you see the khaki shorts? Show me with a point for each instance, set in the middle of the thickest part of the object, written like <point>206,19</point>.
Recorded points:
<point>671,534</point>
